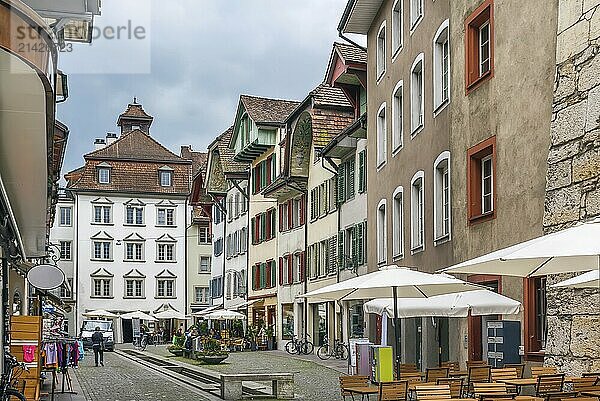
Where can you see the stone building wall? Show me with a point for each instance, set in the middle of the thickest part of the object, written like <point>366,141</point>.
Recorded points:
<point>573,182</point>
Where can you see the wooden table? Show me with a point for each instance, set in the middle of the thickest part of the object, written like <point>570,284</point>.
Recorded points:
<point>363,390</point>
<point>459,373</point>
<point>518,383</point>
<point>591,393</point>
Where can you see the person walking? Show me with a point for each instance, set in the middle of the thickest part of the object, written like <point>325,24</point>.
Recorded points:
<point>98,346</point>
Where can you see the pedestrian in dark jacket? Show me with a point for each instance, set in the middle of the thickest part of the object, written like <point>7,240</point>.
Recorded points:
<point>98,346</point>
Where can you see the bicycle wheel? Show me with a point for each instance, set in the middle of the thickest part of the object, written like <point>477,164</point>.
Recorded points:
<point>290,347</point>
<point>341,351</point>
<point>13,394</point>
<point>323,352</point>
<point>143,344</point>
<point>307,347</point>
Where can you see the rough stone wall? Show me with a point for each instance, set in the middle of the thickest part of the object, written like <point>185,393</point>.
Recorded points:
<point>573,182</point>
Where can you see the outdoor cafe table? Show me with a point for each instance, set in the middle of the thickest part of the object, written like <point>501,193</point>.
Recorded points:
<point>459,373</point>
<point>363,390</point>
<point>591,393</point>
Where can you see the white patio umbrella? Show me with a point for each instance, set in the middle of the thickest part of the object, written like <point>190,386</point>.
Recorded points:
<point>208,310</point>
<point>101,313</point>
<point>170,314</point>
<point>586,280</point>
<point>477,303</point>
<point>392,282</point>
<point>138,315</point>
<point>575,249</point>
<point>225,315</point>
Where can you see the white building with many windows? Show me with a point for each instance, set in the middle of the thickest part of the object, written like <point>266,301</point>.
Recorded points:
<point>130,216</point>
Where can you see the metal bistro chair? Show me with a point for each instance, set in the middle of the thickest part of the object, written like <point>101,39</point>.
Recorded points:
<point>431,392</point>
<point>476,363</point>
<point>452,366</point>
<point>408,367</point>
<point>586,383</point>
<point>550,387</point>
<point>492,390</point>
<point>520,368</point>
<point>393,391</point>
<point>504,374</point>
<point>455,383</point>
<point>543,370</point>
<point>432,374</point>
<point>352,381</point>
<point>477,374</point>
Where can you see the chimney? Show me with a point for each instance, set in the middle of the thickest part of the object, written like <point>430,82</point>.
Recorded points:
<point>110,138</point>
<point>186,151</point>
<point>99,143</point>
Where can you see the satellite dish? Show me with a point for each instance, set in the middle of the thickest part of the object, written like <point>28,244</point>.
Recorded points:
<point>45,277</point>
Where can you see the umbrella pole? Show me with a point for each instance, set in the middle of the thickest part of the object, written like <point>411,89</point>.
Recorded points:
<point>396,332</point>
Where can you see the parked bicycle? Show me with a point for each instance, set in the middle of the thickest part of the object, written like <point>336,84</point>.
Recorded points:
<point>10,378</point>
<point>339,350</point>
<point>141,342</point>
<point>299,345</point>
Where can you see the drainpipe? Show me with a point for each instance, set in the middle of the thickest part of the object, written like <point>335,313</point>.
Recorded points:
<point>185,266</point>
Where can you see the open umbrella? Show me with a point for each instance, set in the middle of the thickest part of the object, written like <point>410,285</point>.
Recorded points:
<point>101,313</point>
<point>586,280</point>
<point>478,302</point>
<point>170,314</point>
<point>575,249</point>
<point>392,282</point>
<point>208,310</point>
<point>225,315</point>
<point>138,315</point>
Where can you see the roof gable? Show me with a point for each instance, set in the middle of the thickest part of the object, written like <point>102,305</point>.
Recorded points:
<point>264,110</point>
<point>135,145</point>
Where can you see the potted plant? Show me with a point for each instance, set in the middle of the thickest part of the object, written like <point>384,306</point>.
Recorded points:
<point>175,350</point>
<point>211,353</point>
<point>251,333</point>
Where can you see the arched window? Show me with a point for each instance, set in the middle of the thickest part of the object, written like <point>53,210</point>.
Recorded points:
<point>417,210</point>
<point>397,27</point>
<point>381,136</point>
<point>381,51</point>
<point>441,67</point>
<point>398,223</point>
<point>442,202</point>
<point>416,95</point>
<point>397,118</point>
<point>381,233</point>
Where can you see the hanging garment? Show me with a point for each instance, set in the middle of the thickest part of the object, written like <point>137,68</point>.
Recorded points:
<point>29,353</point>
<point>80,350</point>
<point>51,354</point>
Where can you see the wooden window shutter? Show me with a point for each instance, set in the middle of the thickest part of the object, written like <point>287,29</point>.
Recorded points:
<point>290,267</point>
<point>340,244</point>
<point>354,238</point>
<point>351,179</point>
<point>341,183</point>
<point>281,218</point>
<point>280,271</point>
<point>302,209</point>
<point>361,172</point>
<point>253,230</point>
<point>269,165</point>
<point>273,222</point>
<point>273,274</point>
<point>360,243</point>
<point>302,266</point>
<point>313,204</point>
<point>290,213</point>
<point>268,225</point>
<point>332,251</point>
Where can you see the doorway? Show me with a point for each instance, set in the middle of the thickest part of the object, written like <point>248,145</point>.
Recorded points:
<point>478,324</point>
<point>443,340</point>
<point>127,331</point>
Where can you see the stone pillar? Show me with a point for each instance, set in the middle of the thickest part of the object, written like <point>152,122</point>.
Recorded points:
<point>573,181</point>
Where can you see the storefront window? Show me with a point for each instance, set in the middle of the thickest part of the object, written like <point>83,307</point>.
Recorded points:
<point>321,317</point>
<point>357,328</point>
<point>287,324</point>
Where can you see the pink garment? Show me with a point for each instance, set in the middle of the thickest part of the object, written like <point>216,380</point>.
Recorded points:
<point>29,353</point>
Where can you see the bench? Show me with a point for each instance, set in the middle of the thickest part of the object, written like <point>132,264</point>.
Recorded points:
<point>282,384</point>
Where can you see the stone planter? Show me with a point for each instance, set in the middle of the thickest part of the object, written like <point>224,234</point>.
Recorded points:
<point>176,352</point>
<point>212,359</point>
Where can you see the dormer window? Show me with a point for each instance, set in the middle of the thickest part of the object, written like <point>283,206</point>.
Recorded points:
<point>104,175</point>
<point>165,176</point>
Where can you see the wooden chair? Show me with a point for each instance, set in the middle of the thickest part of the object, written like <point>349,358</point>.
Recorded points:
<point>411,376</point>
<point>551,387</point>
<point>432,374</point>
<point>408,367</point>
<point>396,391</point>
<point>430,392</point>
<point>491,390</point>
<point>504,374</point>
<point>589,374</point>
<point>452,366</point>
<point>476,363</point>
<point>586,383</point>
<point>520,368</point>
<point>543,370</point>
<point>352,381</point>
<point>455,384</point>
<point>477,374</point>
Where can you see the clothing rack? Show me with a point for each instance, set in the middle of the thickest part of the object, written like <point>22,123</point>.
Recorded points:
<point>63,366</point>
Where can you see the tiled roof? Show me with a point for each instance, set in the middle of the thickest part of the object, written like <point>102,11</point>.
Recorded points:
<point>325,95</point>
<point>199,159</point>
<point>329,123</point>
<point>135,110</point>
<point>226,154</point>
<point>264,110</point>
<point>351,53</point>
<point>135,145</point>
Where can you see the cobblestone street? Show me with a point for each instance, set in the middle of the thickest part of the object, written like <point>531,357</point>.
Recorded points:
<point>124,380</point>
<point>312,381</point>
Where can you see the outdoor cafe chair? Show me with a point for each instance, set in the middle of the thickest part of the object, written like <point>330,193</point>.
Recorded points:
<point>476,363</point>
<point>411,377</point>
<point>352,381</point>
<point>455,384</point>
<point>519,367</point>
<point>492,390</point>
<point>477,374</point>
<point>432,374</point>
<point>550,387</point>
<point>543,370</point>
<point>587,383</point>
<point>433,392</point>
<point>393,391</point>
<point>452,366</point>
<point>504,374</point>
<point>589,374</point>
<point>408,367</point>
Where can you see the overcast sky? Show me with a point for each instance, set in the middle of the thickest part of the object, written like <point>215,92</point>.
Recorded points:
<point>196,58</point>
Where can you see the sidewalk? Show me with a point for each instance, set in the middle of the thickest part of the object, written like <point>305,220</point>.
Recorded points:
<point>332,363</point>
<point>47,388</point>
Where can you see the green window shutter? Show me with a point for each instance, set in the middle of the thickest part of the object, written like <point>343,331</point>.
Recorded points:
<point>263,227</point>
<point>351,179</point>
<point>341,193</point>
<point>263,175</point>
<point>360,244</point>
<point>340,243</point>
<point>253,229</point>
<point>361,172</point>
<point>273,274</point>
<point>332,254</point>
<point>263,275</point>
<point>354,238</point>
